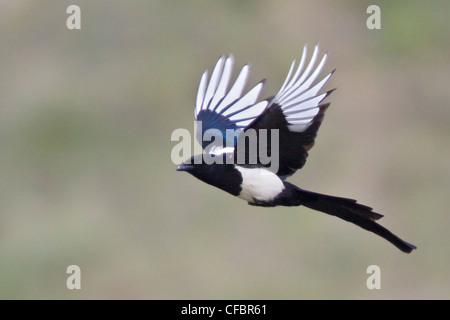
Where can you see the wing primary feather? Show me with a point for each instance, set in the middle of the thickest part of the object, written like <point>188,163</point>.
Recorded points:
<point>305,74</point>
<point>213,82</point>
<point>305,85</point>
<point>223,82</point>
<point>250,112</point>
<point>305,107</point>
<point>201,93</point>
<point>248,99</point>
<point>302,96</point>
<point>299,69</point>
<point>287,77</point>
<point>236,89</point>
<point>298,100</point>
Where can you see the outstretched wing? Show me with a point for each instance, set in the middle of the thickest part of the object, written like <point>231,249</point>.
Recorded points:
<point>297,114</point>
<point>221,109</point>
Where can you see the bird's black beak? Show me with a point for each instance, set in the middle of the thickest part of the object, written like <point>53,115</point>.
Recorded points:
<point>189,164</point>
<point>184,167</point>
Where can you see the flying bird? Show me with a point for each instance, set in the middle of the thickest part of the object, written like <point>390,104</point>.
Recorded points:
<point>288,123</point>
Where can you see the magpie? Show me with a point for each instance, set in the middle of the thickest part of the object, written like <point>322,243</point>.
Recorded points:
<point>294,116</point>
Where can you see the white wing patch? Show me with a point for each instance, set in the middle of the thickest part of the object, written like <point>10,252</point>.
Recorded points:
<point>297,99</point>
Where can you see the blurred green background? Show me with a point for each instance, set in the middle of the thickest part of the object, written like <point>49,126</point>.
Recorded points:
<point>86,118</point>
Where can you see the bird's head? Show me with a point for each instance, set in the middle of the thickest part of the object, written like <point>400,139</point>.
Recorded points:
<point>208,168</point>
<point>203,162</point>
<point>192,164</point>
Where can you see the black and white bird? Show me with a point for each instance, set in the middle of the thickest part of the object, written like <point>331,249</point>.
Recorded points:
<point>295,114</point>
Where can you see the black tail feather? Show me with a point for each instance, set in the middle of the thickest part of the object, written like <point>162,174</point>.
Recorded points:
<point>353,212</point>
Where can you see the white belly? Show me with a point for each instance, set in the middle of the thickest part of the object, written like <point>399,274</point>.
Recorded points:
<point>260,184</point>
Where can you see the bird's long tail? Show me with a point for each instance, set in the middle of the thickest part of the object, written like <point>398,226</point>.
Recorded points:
<point>353,212</point>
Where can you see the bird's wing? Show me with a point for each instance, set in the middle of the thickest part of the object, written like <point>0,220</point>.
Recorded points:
<point>220,109</point>
<point>297,114</point>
